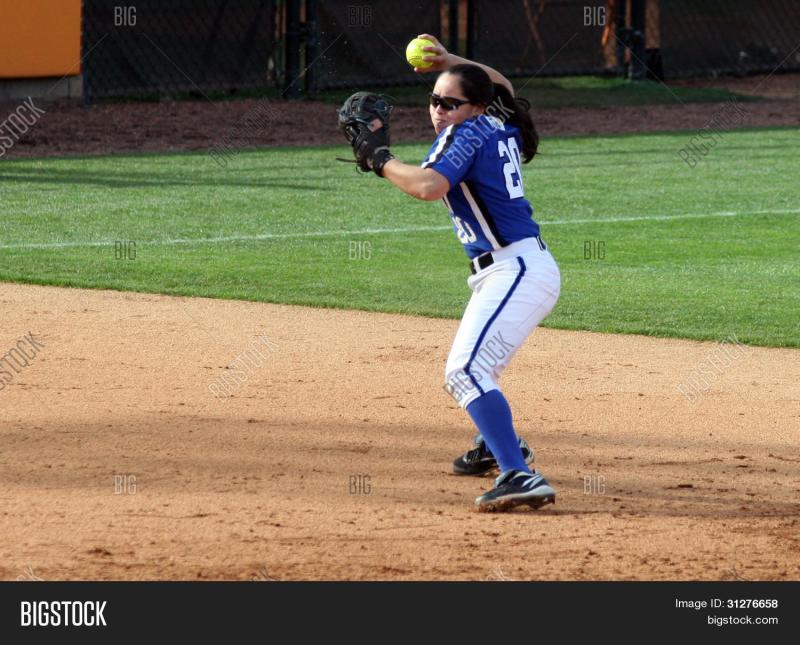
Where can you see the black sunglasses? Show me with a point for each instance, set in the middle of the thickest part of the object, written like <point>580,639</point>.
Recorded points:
<point>447,102</point>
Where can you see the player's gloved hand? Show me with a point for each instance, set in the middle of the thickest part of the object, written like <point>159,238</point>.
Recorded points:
<point>371,150</point>
<point>364,121</point>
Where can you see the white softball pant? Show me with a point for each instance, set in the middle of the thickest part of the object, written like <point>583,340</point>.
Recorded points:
<point>509,299</point>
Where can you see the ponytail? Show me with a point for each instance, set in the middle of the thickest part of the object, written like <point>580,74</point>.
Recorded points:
<point>515,111</point>
<point>479,89</point>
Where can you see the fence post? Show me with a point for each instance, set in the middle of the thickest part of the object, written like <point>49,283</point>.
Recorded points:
<point>311,34</point>
<point>638,67</point>
<point>619,30</point>
<point>86,98</point>
<point>472,29</point>
<point>291,89</point>
<point>453,22</point>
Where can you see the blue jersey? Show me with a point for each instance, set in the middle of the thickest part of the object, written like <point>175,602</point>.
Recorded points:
<point>481,159</point>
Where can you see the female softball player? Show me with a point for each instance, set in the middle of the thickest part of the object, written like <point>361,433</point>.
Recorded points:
<point>484,135</point>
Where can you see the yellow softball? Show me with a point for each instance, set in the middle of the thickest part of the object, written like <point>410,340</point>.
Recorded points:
<point>414,53</point>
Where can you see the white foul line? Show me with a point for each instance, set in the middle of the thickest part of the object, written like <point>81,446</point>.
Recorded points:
<point>378,231</point>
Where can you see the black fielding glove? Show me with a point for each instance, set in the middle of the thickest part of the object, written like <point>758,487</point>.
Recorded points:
<point>364,121</point>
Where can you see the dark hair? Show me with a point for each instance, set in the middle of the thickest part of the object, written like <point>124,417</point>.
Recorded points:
<point>479,89</point>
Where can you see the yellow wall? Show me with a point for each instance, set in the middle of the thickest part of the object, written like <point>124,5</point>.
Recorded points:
<point>40,38</point>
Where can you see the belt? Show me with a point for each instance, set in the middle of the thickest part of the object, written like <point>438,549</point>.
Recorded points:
<point>489,258</point>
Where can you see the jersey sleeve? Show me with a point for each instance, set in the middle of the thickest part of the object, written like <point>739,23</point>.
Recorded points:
<point>452,154</point>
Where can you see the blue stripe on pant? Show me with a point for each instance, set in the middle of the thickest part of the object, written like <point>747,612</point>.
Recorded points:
<point>489,324</point>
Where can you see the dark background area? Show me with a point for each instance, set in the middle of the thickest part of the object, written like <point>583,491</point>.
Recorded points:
<point>301,47</point>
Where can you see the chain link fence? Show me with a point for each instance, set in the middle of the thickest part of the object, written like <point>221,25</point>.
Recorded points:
<point>542,37</point>
<point>675,38</point>
<point>155,47</point>
<point>714,37</point>
<point>364,43</point>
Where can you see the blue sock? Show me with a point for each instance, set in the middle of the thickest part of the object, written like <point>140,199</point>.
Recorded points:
<point>491,414</point>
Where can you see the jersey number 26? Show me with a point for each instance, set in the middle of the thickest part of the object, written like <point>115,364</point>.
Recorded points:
<point>511,169</point>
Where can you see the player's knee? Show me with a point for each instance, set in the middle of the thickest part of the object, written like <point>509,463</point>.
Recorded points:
<point>455,379</point>
<point>457,383</point>
<point>466,384</point>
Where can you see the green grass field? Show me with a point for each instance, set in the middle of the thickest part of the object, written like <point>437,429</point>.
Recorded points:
<point>704,252</point>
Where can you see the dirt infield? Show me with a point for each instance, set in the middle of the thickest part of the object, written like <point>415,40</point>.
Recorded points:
<point>332,460</point>
<point>113,128</point>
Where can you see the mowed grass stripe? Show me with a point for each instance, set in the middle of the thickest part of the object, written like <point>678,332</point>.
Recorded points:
<point>663,272</point>
<point>394,231</point>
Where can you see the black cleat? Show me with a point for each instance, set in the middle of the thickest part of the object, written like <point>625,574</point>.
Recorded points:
<point>480,459</point>
<point>516,488</point>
